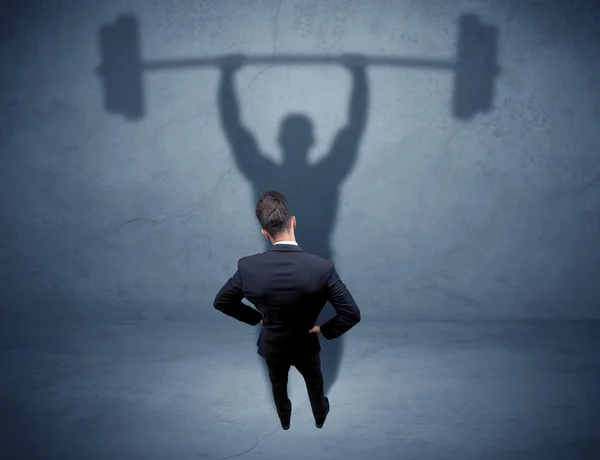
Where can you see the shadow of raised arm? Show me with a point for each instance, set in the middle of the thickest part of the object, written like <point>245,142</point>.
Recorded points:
<point>338,163</point>
<point>242,143</point>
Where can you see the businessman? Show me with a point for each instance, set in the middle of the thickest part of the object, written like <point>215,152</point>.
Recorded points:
<point>288,287</point>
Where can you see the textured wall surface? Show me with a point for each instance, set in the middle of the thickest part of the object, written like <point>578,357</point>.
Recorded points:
<point>436,217</point>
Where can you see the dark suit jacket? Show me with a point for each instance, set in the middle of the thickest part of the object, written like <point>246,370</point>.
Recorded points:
<point>289,288</point>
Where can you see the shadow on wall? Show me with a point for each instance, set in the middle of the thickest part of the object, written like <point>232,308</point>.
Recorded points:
<point>312,189</point>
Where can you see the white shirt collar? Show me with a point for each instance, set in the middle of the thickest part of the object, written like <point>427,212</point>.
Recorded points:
<point>287,242</point>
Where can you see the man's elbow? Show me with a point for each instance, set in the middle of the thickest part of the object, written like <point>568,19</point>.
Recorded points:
<point>355,316</point>
<point>218,304</point>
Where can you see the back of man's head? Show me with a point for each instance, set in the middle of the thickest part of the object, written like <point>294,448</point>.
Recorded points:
<point>273,213</point>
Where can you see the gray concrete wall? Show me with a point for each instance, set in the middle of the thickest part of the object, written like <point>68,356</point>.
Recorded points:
<point>496,217</point>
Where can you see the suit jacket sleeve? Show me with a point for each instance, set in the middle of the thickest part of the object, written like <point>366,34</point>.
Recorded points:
<point>348,314</point>
<point>229,301</point>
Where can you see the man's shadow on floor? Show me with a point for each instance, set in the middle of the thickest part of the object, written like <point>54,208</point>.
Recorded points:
<point>313,189</point>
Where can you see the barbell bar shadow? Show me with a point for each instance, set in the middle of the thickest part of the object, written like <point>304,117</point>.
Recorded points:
<point>283,59</point>
<point>122,67</point>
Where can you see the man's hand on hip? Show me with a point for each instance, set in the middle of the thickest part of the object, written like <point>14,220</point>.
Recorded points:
<point>315,330</point>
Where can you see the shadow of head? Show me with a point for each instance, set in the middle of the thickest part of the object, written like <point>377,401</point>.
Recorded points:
<point>296,138</point>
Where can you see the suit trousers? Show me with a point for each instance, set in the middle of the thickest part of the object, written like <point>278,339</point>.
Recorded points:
<point>309,367</point>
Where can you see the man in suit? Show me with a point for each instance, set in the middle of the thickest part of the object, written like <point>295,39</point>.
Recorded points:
<point>289,288</point>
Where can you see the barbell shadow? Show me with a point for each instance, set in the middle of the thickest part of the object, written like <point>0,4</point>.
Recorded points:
<point>475,66</point>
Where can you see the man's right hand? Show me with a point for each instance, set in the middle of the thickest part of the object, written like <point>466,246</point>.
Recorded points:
<point>315,330</point>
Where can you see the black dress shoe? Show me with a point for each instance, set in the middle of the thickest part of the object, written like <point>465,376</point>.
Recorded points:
<point>319,423</point>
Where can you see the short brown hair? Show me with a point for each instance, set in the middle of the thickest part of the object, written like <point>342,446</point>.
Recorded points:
<point>273,213</point>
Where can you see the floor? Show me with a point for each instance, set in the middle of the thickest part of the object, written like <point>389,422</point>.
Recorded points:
<point>159,389</point>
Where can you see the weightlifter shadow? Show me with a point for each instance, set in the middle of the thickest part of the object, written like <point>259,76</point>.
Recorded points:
<point>313,189</point>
